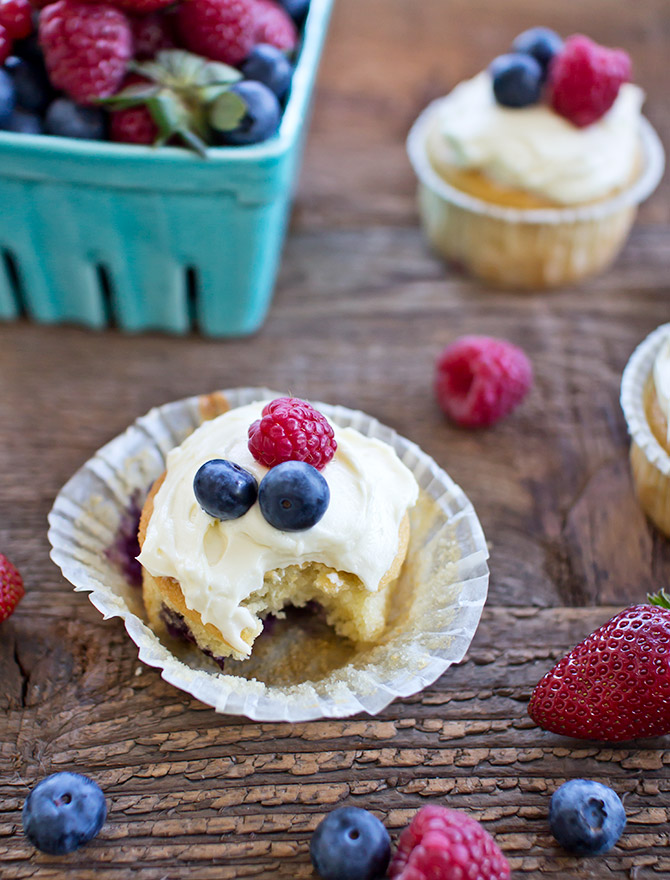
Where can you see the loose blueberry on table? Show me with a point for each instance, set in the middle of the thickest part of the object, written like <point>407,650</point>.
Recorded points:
<point>63,812</point>
<point>586,817</point>
<point>350,844</point>
<point>198,74</point>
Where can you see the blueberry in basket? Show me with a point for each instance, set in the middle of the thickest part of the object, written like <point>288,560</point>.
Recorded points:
<point>196,73</point>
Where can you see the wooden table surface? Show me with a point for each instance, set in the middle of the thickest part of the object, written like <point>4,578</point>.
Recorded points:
<point>360,312</point>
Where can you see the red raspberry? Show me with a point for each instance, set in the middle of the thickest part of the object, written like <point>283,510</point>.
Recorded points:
<point>224,30</point>
<point>151,33</point>
<point>275,26</point>
<point>16,18</point>
<point>5,45</point>
<point>86,48</point>
<point>441,844</point>
<point>291,430</point>
<point>585,78</point>
<point>142,7</point>
<point>479,380</point>
<point>134,125</point>
<point>11,588</point>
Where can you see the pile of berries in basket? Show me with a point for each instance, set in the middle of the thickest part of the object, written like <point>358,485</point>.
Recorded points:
<point>196,73</point>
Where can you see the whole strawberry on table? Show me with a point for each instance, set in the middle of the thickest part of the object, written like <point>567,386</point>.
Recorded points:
<point>196,73</point>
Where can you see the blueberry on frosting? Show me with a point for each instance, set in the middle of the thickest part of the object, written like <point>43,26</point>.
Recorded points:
<point>224,490</point>
<point>293,496</point>
<point>517,79</point>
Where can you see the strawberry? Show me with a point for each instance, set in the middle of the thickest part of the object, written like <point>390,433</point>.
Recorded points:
<point>224,30</point>
<point>275,26</point>
<point>134,125</point>
<point>615,685</point>
<point>11,588</point>
<point>87,48</point>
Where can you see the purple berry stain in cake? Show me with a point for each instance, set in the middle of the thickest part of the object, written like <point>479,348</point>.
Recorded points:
<point>177,628</point>
<point>125,548</point>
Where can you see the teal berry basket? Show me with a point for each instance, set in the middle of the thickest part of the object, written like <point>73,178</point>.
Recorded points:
<point>140,238</point>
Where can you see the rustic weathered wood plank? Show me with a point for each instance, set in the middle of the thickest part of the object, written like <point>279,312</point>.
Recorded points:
<point>361,310</point>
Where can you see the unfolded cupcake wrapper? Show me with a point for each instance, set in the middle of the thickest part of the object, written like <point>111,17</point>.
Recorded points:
<point>523,247</point>
<point>650,462</point>
<point>440,593</point>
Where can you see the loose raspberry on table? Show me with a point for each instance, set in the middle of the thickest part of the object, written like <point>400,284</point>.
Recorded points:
<point>441,844</point>
<point>224,30</point>
<point>16,18</point>
<point>479,380</point>
<point>274,26</point>
<point>585,78</point>
<point>87,48</point>
<point>291,430</point>
<point>11,588</point>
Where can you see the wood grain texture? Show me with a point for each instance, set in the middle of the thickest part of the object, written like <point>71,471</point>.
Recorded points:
<point>361,310</point>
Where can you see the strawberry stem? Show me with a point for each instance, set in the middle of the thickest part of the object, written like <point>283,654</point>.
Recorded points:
<point>661,599</point>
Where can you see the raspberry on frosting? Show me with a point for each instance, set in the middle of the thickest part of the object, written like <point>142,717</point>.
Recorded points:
<point>291,430</point>
<point>585,78</point>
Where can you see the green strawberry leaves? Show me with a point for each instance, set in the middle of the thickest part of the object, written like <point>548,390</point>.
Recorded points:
<point>183,92</point>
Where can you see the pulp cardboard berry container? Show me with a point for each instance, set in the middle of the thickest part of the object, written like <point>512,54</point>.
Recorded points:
<point>152,239</point>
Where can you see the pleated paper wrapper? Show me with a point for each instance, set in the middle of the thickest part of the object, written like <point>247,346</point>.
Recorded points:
<point>650,463</point>
<point>436,605</point>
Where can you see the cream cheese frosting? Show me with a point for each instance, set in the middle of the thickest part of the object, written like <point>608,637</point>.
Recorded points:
<point>220,564</point>
<point>662,381</point>
<point>537,150</point>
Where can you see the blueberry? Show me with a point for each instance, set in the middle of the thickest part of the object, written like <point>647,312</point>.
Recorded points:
<point>268,65</point>
<point>224,490</point>
<point>297,9</point>
<point>586,817</point>
<point>67,119</point>
<point>7,97</point>
<point>63,812</point>
<point>293,496</point>
<point>350,844</point>
<point>517,80</point>
<point>540,42</point>
<point>261,119</point>
<point>33,89</point>
<point>23,123</point>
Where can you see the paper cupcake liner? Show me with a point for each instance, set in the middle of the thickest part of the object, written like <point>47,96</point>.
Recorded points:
<point>443,584</point>
<point>637,192</point>
<point>527,248</point>
<point>650,462</point>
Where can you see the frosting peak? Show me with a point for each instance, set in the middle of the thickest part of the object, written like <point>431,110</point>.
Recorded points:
<point>536,150</point>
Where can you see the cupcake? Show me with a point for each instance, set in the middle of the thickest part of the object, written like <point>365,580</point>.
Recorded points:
<point>390,560</point>
<point>645,399</point>
<point>266,506</point>
<point>530,173</point>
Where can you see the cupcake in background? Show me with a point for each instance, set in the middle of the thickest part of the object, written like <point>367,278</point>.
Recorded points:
<point>530,173</point>
<point>645,399</point>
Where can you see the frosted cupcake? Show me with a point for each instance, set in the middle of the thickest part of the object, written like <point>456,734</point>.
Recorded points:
<point>268,505</point>
<point>645,398</point>
<point>530,173</point>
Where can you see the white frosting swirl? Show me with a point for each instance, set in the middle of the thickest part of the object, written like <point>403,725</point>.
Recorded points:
<point>662,381</point>
<point>536,150</point>
<point>219,564</point>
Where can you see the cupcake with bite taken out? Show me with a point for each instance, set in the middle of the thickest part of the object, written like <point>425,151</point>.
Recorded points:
<point>530,173</point>
<point>269,505</point>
